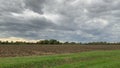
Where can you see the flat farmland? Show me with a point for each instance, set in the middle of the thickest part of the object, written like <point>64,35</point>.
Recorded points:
<point>31,50</point>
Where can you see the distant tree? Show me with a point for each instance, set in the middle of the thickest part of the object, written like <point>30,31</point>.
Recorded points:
<point>73,43</point>
<point>43,42</point>
<point>66,42</point>
<point>46,41</point>
<point>53,41</point>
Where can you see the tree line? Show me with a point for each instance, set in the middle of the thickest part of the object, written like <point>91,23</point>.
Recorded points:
<point>54,42</point>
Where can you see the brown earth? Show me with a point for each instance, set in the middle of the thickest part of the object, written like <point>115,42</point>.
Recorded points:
<point>28,50</point>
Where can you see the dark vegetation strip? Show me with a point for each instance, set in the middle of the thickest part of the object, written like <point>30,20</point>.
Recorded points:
<point>55,42</point>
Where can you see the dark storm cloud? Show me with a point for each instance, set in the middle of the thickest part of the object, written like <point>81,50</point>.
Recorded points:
<point>35,24</point>
<point>24,28</point>
<point>72,20</point>
<point>35,5</point>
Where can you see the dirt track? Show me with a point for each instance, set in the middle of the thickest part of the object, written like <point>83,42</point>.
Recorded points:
<point>28,50</point>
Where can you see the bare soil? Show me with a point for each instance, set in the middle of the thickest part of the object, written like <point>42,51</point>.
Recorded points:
<point>29,50</point>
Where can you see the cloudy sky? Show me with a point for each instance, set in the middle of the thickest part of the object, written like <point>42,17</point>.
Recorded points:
<point>66,20</point>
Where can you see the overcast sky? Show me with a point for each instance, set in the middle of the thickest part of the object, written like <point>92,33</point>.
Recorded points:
<point>66,20</point>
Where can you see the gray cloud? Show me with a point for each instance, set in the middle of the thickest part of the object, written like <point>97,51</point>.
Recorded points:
<point>35,5</point>
<point>72,20</point>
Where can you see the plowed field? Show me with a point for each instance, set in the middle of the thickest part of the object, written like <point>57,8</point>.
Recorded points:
<point>29,50</point>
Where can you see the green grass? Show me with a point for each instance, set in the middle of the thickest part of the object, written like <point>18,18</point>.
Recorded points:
<point>93,59</point>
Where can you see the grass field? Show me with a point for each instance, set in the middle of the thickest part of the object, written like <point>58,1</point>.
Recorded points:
<point>92,59</point>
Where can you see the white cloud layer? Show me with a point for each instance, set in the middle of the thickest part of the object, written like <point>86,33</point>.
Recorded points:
<point>72,20</point>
